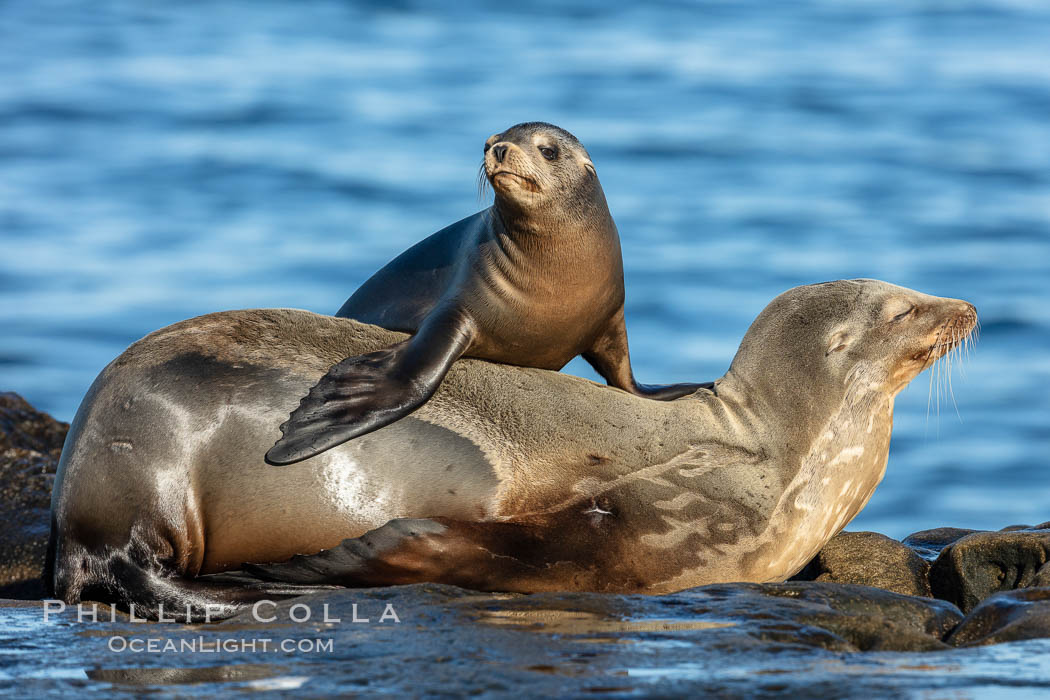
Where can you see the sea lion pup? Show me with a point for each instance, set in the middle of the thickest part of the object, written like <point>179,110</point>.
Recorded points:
<point>510,478</point>
<point>534,280</point>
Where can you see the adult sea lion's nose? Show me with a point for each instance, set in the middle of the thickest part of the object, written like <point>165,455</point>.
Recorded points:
<point>500,152</point>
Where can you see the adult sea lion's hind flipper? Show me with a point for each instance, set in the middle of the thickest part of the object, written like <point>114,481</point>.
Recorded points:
<point>354,562</point>
<point>366,392</point>
<point>487,555</point>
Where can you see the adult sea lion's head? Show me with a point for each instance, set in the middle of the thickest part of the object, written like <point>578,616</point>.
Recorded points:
<point>813,346</point>
<point>537,167</point>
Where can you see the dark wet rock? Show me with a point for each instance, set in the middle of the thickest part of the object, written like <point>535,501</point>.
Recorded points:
<point>978,565</point>
<point>833,617</point>
<point>135,677</point>
<point>929,543</point>
<point>869,559</point>
<point>1006,617</point>
<point>867,618</point>
<point>728,640</point>
<point>30,445</point>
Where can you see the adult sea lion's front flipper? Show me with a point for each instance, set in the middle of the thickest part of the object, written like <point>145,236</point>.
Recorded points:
<point>366,392</point>
<point>611,358</point>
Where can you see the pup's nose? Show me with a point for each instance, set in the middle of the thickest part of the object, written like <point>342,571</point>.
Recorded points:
<point>500,152</point>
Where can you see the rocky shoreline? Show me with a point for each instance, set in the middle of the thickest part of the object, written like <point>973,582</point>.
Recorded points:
<point>864,592</point>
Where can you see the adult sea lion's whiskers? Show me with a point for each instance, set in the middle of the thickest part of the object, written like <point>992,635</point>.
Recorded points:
<point>957,345</point>
<point>948,373</point>
<point>929,397</point>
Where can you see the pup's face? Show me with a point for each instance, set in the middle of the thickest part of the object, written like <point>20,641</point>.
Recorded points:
<point>535,164</point>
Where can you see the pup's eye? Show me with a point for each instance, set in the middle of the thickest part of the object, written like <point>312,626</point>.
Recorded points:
<point>902,315</point>
<point>549,152</point>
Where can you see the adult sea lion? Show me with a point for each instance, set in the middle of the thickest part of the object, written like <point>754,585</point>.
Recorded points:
<point>534,280</point>
<point>510,478</point>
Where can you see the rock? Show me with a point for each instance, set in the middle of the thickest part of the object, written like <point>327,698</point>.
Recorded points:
<point>1006,617</point>
<point>30,445</point>
<point>1042,578</point>
<point>929,543</point>
<point>978,565</point>
<point>726,617</point>
<point>22,427</point>
<point>869,559</point>
<point>869,619</point>
<point>724,641</point>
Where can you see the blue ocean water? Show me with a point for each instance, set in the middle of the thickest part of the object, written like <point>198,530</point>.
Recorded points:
<point>164,160</point>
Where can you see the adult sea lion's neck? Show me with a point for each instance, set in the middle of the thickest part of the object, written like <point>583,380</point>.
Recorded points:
<point>769,405</point>
<point>792,423</point>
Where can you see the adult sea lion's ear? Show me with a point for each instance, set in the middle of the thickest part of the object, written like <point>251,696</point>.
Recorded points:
<point>839,340</point>
<point>590,168</point>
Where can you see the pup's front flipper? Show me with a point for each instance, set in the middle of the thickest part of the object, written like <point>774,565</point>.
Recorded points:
<point>366,392</point>
<point>611,358</point>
